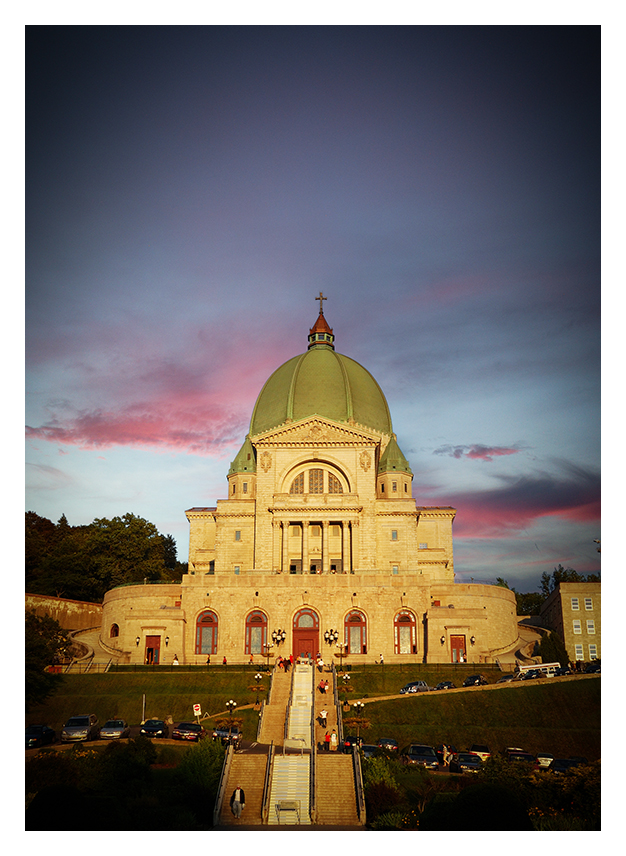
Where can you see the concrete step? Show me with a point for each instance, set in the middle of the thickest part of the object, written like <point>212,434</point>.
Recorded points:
<point>290,785</point>
<point>247,772</point>
<point>335,796</point>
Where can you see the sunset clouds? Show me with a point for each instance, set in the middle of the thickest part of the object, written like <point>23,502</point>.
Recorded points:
<point>190,190</point>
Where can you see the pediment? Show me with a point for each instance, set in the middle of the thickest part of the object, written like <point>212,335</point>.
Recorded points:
<point>317,431</point>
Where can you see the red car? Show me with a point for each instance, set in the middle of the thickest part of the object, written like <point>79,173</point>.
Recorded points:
<point>188,731</point>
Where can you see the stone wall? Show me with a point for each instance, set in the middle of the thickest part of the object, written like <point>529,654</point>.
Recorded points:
<point>71,614</point>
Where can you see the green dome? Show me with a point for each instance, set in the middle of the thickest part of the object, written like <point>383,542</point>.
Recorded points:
<point>323,383</point>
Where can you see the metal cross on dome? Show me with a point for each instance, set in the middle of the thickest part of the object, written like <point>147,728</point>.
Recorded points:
<point>320,298</point>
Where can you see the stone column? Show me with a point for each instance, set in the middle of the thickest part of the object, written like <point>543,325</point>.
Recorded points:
<point>285,545</point>
<point>356,546</point>
<point>305,546</point>
<point>346,564</point>
<point>325,547</point>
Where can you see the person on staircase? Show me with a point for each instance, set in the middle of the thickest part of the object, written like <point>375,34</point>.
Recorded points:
<point>327,742</point>
<point>323,717</point>
<point>238,802</point>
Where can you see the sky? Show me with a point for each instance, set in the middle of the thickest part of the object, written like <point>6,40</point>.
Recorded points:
<point>191,189</point>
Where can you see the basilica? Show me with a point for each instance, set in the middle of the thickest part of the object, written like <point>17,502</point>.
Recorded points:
<point>319,546</point>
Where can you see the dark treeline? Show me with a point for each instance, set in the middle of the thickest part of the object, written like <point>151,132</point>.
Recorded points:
<point>84,562</point>
<point>530,603</point>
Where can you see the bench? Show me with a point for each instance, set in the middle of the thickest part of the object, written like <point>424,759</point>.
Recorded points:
<point>288,805</point>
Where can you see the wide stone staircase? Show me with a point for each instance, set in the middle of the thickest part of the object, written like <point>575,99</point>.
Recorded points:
<point>248,772</point>
<point>335,801</point>
<point>290,708</point>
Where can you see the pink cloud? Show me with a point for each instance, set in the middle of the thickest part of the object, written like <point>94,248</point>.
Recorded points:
<point>476,451</point>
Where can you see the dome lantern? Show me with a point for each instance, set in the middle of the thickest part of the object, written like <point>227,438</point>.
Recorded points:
<point>320,333</point>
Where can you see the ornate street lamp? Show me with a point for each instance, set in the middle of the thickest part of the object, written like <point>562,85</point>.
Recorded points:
<point>279,636</point>
<point>230,706</point>
<point>331,636</point>
<point>258,678</point>
<point>358,709</point>
<point>268,646</point>
<point>342,651</point>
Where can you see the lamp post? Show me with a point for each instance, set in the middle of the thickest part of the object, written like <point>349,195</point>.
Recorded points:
<point>230,706</point>
<point>257,678</point>
<point>358,709</point>
<point>331,636</point>
<point>267,647</point>
<point>342,647</point>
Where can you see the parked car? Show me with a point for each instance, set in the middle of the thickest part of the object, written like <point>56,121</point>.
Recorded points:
<point>349,742</point>
<point>369,749</point>
<point>445,685</point>
<point>563,670</point>
<point>518,755</point>
<point>532,675</point>
<point>114,729</point>
<point>154,728</point>
<point>506,679</point>
<point>415,687</point>
<point>188,731</point>
<point>388,743</point>
<point>39,735</point>
<point>423,756</point>
<point>592,668</point>
<point>475,681</point>
<point>228,735</point>
<point>481,750</point>
<point>544,760</point>
<point>465,762</point>
<point>562,766</point>
<point>439,751</point>
<point>84,727</point>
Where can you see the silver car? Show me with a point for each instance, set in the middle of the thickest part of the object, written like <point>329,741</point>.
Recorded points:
<point>114,729</point>
<point>84,727</point>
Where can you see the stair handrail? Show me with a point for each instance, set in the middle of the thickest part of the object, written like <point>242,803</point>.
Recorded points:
<point>219,799</point>
<point>358,782</point>
<point>267,783</point>
<point>289,700</point>
<point>259,725</point>
<point>312,809</point>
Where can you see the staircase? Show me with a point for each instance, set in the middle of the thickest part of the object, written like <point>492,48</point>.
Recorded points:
<point>248,772</point>
<point>335,800</point>
<point>274,713</point>
<point>289,795</point>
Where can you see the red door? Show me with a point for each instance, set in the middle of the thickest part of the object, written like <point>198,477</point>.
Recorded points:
<point>457,649</point>
<point>153,649</point>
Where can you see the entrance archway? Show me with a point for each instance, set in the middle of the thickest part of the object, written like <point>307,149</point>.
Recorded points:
<point>306,633</point>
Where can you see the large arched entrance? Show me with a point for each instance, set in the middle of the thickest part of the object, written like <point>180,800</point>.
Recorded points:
<point>306,633</point>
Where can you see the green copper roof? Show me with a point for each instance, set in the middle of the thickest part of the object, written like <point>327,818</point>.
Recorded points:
<point>392,459</point>
<point>321,382</point>
<point>245,461</point>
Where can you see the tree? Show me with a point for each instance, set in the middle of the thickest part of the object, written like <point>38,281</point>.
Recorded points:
<point>551,649</point>
<point>564,575</point>
<point>46,643</point>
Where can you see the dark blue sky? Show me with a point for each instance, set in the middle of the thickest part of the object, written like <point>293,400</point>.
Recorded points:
<point>189,192</point>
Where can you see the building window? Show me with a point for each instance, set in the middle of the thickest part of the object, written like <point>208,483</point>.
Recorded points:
<point>577,627</point>
<point>578,652</point>
<point>256,632</point>
<point>237,570</point>
<point>394,487</point>
<point>406,488</point>
<point>297,485</point>
<point>355,629</point>
<point>593,652</point>
<point>237,534</point>
<point>245,487</point>
<point>394,569</point>
<point>423,546</point>
<point>316,481</point>
<point>206,633</point>
<point>234,486</point>
<point>115,631</point>
<point>404,629</point>
<point>591,627</point>
<point>588,604</point>
<point>334,485</point>
<point>575,605</point>
<point>382,488</point>
<point>394,534</point>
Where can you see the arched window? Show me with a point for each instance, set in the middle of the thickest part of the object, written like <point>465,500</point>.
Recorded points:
<point>334,485</point>
<point>355,628</point>
<point>405,634</point>
<point>316,480</point>
<point>305,618</point>
<point>115,631</point>
<point>206,633</point>
<point>297,485</point>
<point>256,632</point>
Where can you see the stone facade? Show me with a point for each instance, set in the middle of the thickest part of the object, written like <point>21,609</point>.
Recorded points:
<point>319,533</point>
<point>71,614</point>
<point>573,611</point>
